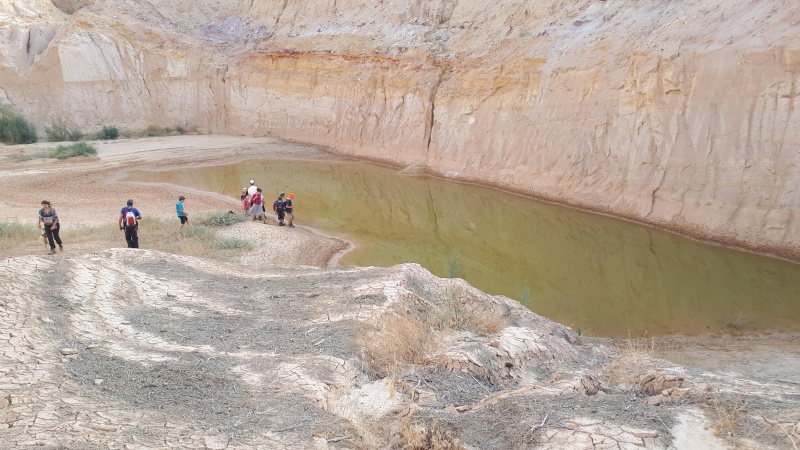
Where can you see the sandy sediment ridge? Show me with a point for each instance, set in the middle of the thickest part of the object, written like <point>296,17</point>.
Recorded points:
<point>678,114</point>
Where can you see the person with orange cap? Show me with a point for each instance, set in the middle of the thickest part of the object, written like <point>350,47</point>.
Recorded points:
<point>289,209</point>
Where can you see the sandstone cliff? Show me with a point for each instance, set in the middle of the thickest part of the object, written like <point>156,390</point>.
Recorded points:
<point>680,114</point>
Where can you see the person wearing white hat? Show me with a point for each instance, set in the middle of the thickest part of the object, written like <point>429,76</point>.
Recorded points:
<point>253,188</point>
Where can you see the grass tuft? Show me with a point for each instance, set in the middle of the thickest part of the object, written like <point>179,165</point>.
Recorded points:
<point>726,412</point>
<point>68,151</point>
<point>12,233</point>
<point>397,339</point>
<point>225,242</point>
<point>453,267</point>
<point>407,337</point>
<point>417,436</point>
<point>220,219</point>
<point>525,298</point>
<point>635,359</point>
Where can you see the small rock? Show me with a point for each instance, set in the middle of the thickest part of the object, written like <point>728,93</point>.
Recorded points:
<point>217,442</point>
<point>451,410</point>
<point>125,322</point>
<point>98,381</point>
<point>91,346</point>
<point>9,417</point>
<point>69,351</point>
<point>654,400</point>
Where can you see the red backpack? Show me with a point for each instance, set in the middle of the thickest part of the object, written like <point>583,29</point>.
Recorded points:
<point>130,217</point>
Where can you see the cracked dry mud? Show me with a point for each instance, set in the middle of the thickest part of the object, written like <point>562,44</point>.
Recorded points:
<point>106,347</point>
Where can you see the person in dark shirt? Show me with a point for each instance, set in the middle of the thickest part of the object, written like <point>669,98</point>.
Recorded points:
<point>129,218</point>
<point>289,209</point>
<point>278,208</point>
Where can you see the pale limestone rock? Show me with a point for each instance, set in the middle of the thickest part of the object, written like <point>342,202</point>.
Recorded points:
<point>632,115</point>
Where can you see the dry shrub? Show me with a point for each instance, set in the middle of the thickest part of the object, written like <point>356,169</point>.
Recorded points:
<point>635,358</point>
<point>434,437</point>
<point>398,339</point>
<point>403,338</point>
<point>459,311</point>
<point>725,412</point>
<point>739,323</point>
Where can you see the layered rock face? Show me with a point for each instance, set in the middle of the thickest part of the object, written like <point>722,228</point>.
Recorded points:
<point>679,114</point>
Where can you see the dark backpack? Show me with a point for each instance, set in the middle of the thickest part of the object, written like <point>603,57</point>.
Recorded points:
<point>278,205</point>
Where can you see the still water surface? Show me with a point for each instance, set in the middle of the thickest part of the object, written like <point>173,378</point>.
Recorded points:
<point>605,276</point>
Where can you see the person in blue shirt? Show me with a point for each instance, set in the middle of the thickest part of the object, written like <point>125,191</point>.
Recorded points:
<point>182,214</point>
<point>129,218</point>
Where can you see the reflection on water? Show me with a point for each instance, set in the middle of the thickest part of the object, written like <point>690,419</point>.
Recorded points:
<point>605,276</point>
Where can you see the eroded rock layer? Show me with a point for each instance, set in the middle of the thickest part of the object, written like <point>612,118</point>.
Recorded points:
<point>680,114</point>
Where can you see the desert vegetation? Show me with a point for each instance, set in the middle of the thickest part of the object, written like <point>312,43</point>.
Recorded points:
<point>154,130</point>
<point>405,338</point>
<point>15,129</point>
<point>202,240</point>
<point>60,132</point>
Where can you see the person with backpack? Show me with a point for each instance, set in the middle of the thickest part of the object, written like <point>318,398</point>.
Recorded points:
<point>289,209</point>
<point>182,214</point>
<point>48,219</point>
<point>257,208</point>
<point>245,199</point>
<point>278,208</point>
<point>129,218</point>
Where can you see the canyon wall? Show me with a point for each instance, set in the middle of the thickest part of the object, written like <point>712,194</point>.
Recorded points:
<point>675,113</point>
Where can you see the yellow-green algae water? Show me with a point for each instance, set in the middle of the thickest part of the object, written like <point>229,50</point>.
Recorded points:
<point>604,276</point>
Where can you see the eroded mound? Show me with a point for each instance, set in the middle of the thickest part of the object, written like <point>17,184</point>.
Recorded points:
<point>146,349</point>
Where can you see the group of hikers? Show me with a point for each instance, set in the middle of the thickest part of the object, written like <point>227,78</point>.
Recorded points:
<point>129,217</point>
<point>253,204</point>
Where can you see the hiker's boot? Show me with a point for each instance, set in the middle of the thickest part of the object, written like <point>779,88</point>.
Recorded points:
<point>281,224</point>
<point>60,248</point>
<point>291,225</point>
<point>52,251</point>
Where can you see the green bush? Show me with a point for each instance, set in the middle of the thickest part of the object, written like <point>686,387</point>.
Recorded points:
<point>200,232</point>
<point>58,132</point>
<point>68,151</point>
<point>220,219</point>
<point>14,129</point>
<point>109,133</point>
<point>233,243</point>
<point>210,238</point>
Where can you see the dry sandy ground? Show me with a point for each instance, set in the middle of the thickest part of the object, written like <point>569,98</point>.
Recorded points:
<point>104,347</point>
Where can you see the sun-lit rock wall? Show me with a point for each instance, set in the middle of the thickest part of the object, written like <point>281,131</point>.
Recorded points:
<point>680,114</point>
